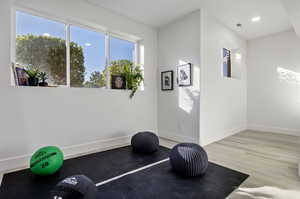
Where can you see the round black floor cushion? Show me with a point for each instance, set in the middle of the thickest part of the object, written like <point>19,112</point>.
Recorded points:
<point>189,159</point>
<point>75,187</point>
<point>145,142</point>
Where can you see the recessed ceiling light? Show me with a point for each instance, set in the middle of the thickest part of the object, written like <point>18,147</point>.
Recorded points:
<point>256,19</point>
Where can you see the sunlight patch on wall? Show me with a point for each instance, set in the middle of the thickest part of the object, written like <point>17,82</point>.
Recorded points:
<point>238,56</point>
<point>187,96</point>
<point>142,55</point>
<point>237,60</point>
<point>196,81</point>
<point>288,76</point>
<point>186,102</point>
<point>181,62</point>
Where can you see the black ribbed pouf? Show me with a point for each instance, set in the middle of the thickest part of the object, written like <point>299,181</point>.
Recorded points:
<point>145,142</point>
<point>189,159</point>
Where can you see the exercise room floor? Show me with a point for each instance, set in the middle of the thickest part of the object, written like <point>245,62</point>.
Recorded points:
<point>270,159</point>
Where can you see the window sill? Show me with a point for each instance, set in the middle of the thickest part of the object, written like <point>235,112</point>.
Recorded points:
<point>75,88</point>
<point>231,78</point>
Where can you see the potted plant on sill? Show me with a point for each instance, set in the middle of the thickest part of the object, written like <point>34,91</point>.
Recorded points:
<point>33,74</point>
<point>134,78</point>
<point>133,74</point>
<point>43,77</point>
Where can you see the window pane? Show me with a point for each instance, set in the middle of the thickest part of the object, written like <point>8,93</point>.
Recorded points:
<point>40,43</point>
<point>87,58</point>
<point>226,63</point>
<point>121,57</point>
<point>121,49</point>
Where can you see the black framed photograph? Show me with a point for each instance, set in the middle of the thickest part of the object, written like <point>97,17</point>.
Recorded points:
<point>21,77</point>
<point>118,82</point>
<point>184,75</point>
<point>167,80</point>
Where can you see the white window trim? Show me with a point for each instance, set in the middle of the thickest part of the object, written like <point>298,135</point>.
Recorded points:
<point>68,54</point>
<point>67,24</point>
<point>107,59</point>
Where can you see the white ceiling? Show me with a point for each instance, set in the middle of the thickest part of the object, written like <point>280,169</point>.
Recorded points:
<point>293,9</point>
<point>230,12</point>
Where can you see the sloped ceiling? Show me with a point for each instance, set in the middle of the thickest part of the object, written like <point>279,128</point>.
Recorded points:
<point>158,13</point>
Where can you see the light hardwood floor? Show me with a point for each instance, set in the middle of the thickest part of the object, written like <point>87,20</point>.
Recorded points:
<point>270,159</point>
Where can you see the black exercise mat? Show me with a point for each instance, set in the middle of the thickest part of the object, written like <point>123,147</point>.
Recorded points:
<point>98,166</point>
<point>159,182</point>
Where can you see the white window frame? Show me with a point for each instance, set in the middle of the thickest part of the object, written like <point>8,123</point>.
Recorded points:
<point>68,24</point>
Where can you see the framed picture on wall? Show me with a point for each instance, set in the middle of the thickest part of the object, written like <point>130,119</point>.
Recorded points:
<point>184,75</point>
<point>118,82</point>
<point>21,77</point>
<point>167,80</point>
<point>226,63</point>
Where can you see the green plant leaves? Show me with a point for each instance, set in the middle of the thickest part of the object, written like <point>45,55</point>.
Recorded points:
<point>133,74</point>
<point>32,72</point>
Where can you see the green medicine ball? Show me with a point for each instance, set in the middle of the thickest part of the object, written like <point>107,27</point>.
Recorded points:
<point>46,161</point>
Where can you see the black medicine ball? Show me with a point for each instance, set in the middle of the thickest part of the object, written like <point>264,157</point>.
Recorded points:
<point>75,187</point>
<point>145,142</point>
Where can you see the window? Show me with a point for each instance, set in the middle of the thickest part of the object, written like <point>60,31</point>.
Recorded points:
<point>87,50</point>
<point>232,63</point>
<point>121,50</point>
<point>40,43</point>
<point>70,55</point>
<point>122,55</point>
<point>226,63</point>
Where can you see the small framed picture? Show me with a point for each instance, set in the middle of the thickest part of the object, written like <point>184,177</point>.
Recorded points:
<point>167,80</point>
<point>184,75</point>
<point>118,82</point>
<point>21,77</point>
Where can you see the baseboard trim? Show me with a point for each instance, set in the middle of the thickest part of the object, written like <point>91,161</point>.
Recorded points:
<point>21,162</point>
<point>177,137</point>
<point>273,129</point>
<point>228,133</point>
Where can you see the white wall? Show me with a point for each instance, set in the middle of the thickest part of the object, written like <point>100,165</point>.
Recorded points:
<point>178,110</point>
<point>274,83</point>
<point>75,119</point>
<point>222,101</point>
<point>4,41</point>
<point>220,111</point>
